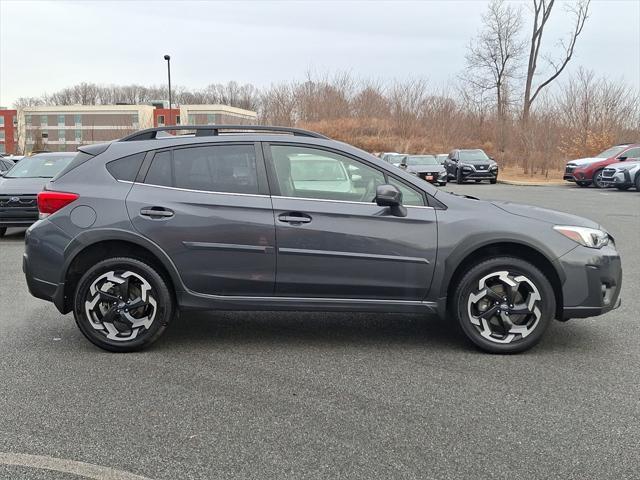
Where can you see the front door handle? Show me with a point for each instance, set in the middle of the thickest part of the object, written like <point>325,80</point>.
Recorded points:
<point>294,217</point>
<point>156,212</point>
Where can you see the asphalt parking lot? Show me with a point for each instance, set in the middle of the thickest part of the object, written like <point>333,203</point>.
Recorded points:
<point>298,395</point>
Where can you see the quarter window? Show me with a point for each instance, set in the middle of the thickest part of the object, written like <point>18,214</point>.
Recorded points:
<point>409,195</point>
<point>313,173</point>
<point>126,168</point>
<point>217,168</point>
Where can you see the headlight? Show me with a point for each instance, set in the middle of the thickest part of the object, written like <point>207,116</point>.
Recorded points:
<point>589,237</point>
<point>494,167</point>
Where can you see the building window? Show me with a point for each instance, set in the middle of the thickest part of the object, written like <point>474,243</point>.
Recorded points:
<point>15,121</point>
<point>192,119</point>
<point>61,120</point>
<point>45,134</point>
<point>27,120</point>
<point>177,119</point>
<point>1,121</point>
<point>79,136</point>
<point>2,134</point>
<point>211,119</point>
<point>160,120</point>
<point>61,137</point>
<point>77,120</point>
<point>44,121</point>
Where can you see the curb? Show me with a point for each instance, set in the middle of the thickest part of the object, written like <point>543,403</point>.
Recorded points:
<point>529,184</point>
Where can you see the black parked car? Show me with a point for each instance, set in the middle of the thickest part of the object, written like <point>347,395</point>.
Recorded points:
<point>20,185</point>
<point>137,229</point>
<point>463,165</point>
<point>425,167</point>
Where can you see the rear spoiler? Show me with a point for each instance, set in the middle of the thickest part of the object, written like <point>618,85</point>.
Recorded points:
<point>94,149</point>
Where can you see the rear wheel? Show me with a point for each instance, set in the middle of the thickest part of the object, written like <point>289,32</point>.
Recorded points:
<point>504,305</point>
<point>597,179</point>
<point>3,230</point>
<point>122,305</point>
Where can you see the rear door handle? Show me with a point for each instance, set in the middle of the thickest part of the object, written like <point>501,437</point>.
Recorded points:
<point>294,217</point>
<point>156,212</point>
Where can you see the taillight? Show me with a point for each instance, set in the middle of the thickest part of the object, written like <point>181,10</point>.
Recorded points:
<point>50,202</point>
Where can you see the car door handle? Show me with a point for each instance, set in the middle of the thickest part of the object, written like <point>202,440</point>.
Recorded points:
<point>156,212</point>
<point>294,217</point>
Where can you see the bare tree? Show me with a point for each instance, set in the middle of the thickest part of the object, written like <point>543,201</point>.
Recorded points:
<point>493,57</point>
<point>541,13</point>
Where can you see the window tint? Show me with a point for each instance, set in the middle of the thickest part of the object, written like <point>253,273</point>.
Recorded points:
<point>126,168</point>
<point>409,195</point>
<point>218,168</point>
<point>313,173</point>
<point>160,171</point>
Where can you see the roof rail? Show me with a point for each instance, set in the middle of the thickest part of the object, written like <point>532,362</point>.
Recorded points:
<point>214,130</point>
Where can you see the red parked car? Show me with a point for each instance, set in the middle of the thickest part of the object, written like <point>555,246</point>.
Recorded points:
<point>587,171</point>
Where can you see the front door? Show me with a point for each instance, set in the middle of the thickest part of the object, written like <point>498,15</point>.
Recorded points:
<point>333,241</point>
<point>208,208</point>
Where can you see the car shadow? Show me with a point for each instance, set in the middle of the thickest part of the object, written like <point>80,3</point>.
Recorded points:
<point>14,234</point>
<point>191,330</point>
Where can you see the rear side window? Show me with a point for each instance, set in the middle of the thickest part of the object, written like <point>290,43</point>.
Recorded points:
<point>126,168</point>
<point>215,168</point>
<point>78,160</point>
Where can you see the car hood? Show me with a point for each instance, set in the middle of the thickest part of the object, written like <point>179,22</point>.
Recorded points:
<point>545,215</point>
<point>585,161</point>
<point>22,185</point>
<point>425,168</point>
<point>624,165</point>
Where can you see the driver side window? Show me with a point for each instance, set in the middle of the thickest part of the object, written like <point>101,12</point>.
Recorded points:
<point>307,172</point>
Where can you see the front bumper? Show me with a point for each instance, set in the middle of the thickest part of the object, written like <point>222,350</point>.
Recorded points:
<point>479,175</point>
<point>593,278</point>
<point>619,179</point>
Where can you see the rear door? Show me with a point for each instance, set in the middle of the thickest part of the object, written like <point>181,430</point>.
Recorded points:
<point>333,241</point>
<point>208,207</point>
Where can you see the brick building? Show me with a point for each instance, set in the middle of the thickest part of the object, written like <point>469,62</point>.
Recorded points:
<point>8,130</point>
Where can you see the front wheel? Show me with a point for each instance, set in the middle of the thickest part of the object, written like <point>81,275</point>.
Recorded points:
<point>3,230</point>
<point>493,181</point>
<point>638,183</point>
<point>504,305</point>
<point>597,179</point>
<point>459,176</point>
<point>122,305</point>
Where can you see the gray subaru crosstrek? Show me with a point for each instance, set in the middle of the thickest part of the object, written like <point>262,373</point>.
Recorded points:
<point>269,218</point>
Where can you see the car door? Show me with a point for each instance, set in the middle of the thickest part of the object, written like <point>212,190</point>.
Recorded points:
<point>334,242</point>
<point>208,208</point>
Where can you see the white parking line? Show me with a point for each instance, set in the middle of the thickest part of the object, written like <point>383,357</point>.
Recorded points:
<point>86,470</point>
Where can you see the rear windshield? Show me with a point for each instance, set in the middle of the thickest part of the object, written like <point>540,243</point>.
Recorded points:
<point>78,160</point>
<point>40,166</point>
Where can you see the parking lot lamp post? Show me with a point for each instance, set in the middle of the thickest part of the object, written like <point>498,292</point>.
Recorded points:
<point>168,59</point>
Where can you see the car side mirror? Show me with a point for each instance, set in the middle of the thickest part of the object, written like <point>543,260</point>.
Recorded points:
<point>622,159</point>
<point>390,196</point>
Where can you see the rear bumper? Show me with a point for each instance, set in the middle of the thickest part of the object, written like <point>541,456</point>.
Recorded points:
<point>593,281</point>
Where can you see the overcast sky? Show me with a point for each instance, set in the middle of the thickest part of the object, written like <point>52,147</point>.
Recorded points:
<point>48,45</point>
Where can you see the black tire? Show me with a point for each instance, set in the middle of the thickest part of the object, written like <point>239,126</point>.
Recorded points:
<point>3,230</point>
<point>527,329</point>
<point>493,181</point>
<point>459,176</point>
<point>157,312</point>
<point>583,184</point>
<point>597,179</point>
<point>637,183</point>
<point>623,188</point>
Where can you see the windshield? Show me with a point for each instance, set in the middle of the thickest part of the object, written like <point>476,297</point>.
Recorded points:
<point>611,152</point>
<point>422,160</point>
<point>316,170</point>
<point>473,156</point>
<point>39,166</point>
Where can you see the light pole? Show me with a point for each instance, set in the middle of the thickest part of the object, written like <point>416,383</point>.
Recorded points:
<point>168,59</point>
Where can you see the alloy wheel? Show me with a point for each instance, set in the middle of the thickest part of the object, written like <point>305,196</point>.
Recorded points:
<point>121,305</point>
<point>505,307</point>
